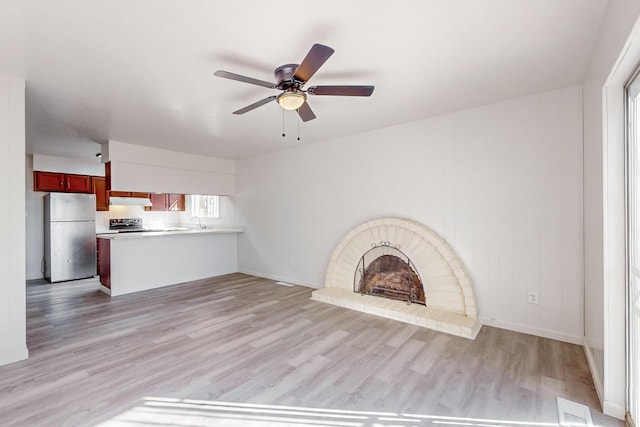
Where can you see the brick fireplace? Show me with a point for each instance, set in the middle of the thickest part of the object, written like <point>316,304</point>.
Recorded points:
<point>390,267</point>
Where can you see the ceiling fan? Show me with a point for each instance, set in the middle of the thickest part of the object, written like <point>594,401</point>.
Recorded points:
<point>291,78</point>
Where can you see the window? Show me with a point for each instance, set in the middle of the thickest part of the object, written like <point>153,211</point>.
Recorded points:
<point>204,206</point>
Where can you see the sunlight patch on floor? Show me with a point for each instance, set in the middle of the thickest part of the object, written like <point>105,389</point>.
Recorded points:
<point>160,411</point>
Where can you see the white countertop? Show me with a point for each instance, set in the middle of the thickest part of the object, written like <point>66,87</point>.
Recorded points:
<point>145,234</point>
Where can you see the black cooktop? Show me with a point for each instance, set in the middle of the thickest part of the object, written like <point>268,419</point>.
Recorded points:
<point>126,225</point>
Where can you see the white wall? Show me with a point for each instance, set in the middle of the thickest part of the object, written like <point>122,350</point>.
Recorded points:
<point>13,344</point>
<point>48,163</point>
<point>604,204</point>
<point>146,169</point>
<point>34,204</point>
<point>501,183</point>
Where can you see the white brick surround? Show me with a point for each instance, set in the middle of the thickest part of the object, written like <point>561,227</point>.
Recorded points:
<point>451,302</point>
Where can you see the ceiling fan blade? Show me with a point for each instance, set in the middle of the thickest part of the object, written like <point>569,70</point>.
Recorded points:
<point>245,79</point>
<point>255,105</point>
<point>341,90</point>
<point>317,55</point>
<point>306,113</point>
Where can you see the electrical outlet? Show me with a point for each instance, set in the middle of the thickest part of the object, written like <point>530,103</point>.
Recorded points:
<point>532,298</point>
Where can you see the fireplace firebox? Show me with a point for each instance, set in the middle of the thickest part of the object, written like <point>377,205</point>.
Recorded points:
<point>385,271</point>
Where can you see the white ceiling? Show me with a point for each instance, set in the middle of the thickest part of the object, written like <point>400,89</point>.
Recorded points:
<point>141,71</point>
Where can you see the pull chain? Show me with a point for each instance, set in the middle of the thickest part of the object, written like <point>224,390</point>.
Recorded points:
<point>283,135</point>
<point>298,123</point>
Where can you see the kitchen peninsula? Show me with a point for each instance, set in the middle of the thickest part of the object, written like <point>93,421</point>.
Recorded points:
<point>133,262</point>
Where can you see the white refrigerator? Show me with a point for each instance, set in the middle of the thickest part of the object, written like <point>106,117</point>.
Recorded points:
<point>69,236</point>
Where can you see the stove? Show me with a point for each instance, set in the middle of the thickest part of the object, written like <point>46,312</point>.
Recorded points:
<point>126,225</point>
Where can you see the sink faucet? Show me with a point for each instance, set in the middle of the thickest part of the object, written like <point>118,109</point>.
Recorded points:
<point>200,226</point>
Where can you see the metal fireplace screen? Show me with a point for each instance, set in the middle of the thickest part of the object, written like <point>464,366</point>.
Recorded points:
<point>386,271</point>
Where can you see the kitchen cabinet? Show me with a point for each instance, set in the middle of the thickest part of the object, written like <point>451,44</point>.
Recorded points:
<point>176,202</point>
<point>104,263</point>
<point>61,182</point>
<point>166,202</point>
<point>99,185</point>
<point>159,202</point>
<point>99,188</point>
<point>97,256</point>
<point>48,181</point>
<point>77,183</point>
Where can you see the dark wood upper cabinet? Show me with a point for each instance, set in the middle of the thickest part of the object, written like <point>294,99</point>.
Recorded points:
<point>159,202</point>
<point>107,175</point>
<point>99,188</point>
<point>119,193</point>
<point>128,194</point>
<point>99,185</point>
<point>77,183</point>
<point>53,181</point>
<point>166,202</point>
<point>176,202</point>
<point>138,194</point>
<point>48,181</point>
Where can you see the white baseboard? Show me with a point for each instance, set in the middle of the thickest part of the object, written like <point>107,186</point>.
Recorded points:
<point>34,276</point>
<point>14,356</point>
<point>613,409</point>
<point>105,289</point>
<point>280,278</point>
<point>525,329</point>
<point>597,381</point>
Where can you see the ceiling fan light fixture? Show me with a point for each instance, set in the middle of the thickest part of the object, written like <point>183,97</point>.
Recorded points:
<point>291,100</point>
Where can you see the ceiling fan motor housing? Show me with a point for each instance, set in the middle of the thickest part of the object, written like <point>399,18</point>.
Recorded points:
<point>284,77</point>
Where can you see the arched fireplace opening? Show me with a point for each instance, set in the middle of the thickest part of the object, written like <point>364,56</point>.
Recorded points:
<point>448,288</point>
<point>386,271</point>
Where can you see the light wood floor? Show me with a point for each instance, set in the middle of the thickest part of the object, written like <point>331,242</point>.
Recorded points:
<point>242,351</point>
